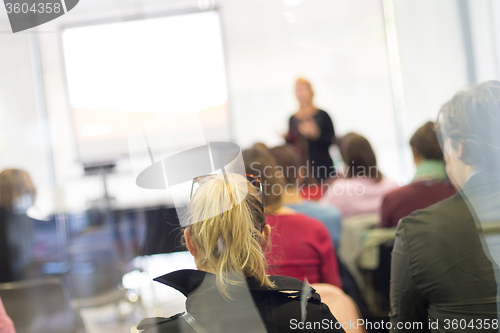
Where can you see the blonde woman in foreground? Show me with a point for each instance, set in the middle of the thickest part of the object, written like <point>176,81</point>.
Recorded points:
<point>230,291</point>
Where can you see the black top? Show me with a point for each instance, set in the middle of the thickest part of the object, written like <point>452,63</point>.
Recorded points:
<point>443,263</point>
<point>279,308</point>
<point>316,151</point>
<point>16,246</point>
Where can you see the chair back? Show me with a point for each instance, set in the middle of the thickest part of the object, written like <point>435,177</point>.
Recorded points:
<point>16,245</point>
<point>40,306</point>
<point>351,242</point>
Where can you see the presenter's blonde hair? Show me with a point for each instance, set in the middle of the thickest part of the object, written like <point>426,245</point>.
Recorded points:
<point>301,80</point>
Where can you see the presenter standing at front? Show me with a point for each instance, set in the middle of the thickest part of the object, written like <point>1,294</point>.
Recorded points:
<point>311,131</point>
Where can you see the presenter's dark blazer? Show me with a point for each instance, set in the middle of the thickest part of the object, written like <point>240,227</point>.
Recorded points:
<point>316,151</point>
<point>445,262</point>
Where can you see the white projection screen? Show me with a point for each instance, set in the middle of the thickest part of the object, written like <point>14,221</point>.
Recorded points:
<point>121,75</point>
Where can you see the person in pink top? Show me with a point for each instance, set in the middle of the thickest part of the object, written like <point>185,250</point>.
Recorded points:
<point>6,324</point>
<point>363,186</point>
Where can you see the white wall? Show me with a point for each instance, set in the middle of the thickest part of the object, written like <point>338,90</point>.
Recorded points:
<point>433,62</point>
<point>20,141</point>
<point>339,46</point>
<point>485,31</point>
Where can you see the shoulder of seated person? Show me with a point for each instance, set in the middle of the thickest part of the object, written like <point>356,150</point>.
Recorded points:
<point>398,191</point>
<point>311,221</point>
<point>353,181</point>
<point>166,324</point>
<point>289,287</point>
<point>321,207</point>
<point>438,215</point>
<point>330,210</point>
<point>339,179</point>
<point>282,283</point>
<point>399,196</point>
<point>331,213</point>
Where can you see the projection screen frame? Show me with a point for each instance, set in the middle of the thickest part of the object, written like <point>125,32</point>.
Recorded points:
<point>128,18</point>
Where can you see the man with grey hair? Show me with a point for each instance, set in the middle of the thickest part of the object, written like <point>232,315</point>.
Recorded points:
<point>445,260</point>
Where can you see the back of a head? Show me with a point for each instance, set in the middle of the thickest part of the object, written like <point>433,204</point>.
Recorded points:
<point>426,143</point>
<point>229,243</point>
<point>289,162</point>
<point>472,117</point>
<point>305,82</point>
<point>359,158</point>
<point>260,162</point>
<point>14,184</point>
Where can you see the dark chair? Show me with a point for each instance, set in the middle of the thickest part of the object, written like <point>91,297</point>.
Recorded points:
<point>163,232</point>
<point>16,246</point>
<point>40,306</point>
<point>351,288</point>
<point>381,278</point>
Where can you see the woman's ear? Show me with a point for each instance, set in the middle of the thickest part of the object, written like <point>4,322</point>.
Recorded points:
<point>461,152</point>
<point>266,236</point>
<point>189,242</point>
<point>417,157</point>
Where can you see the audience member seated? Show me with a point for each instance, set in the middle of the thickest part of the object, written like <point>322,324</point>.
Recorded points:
<point>289,162</point>
<point>445,259</point>
<point>231,291</point>
<point>363,186</point>
<point>6,324</point>
<point>429,185</point>
<point>287,159</point>
<point>301,246</point>
<point>314,190</point>
<point>17,194</point>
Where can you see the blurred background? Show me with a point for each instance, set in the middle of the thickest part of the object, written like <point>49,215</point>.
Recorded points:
<point>74,91</point>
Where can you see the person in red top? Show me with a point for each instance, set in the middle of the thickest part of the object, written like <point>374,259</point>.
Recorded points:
<point>430,183</point>
<point>301,246</point>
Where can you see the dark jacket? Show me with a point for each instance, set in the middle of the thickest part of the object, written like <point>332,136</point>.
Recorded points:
<point>316,151</point>
<point>279,308</point>
<point>16,246</point>
<point>443,267</point>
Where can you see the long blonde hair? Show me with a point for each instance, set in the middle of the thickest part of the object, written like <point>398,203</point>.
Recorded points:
<point>229,242</point>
